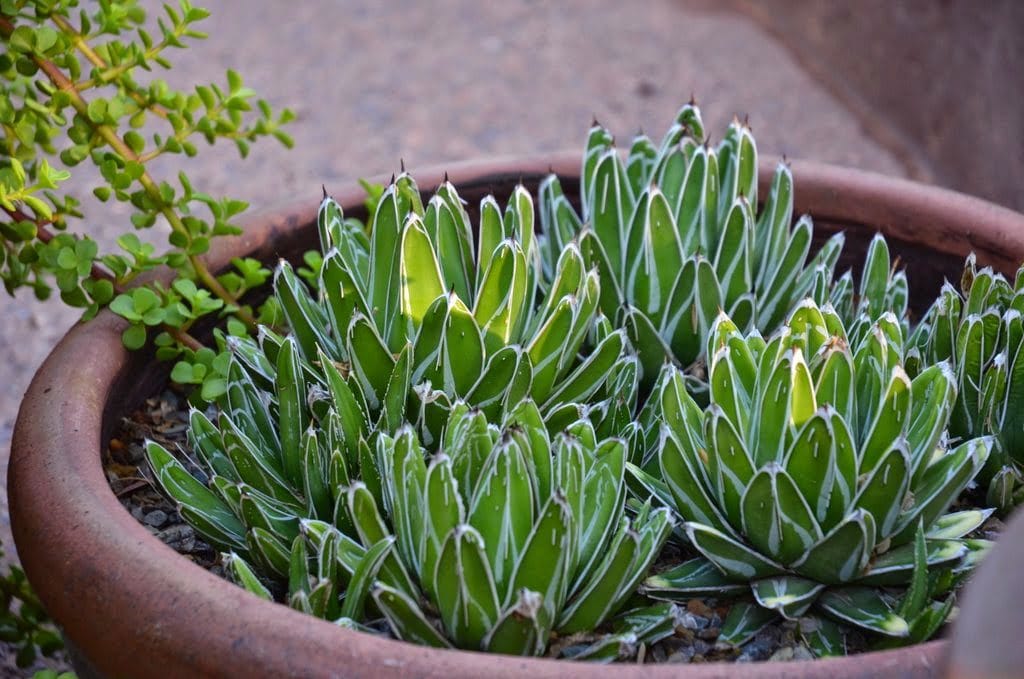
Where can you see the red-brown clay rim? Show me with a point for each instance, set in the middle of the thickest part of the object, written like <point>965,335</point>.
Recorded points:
<point>136,608</point>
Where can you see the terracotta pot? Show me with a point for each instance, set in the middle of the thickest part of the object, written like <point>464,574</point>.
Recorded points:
<point>136,608</point>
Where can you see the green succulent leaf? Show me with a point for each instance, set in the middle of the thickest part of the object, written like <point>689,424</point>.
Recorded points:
<point>865,608</point>
<point>787,595</point>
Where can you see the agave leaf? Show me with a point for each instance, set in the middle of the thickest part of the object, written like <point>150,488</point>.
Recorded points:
<point>612,203</point>
<point>865,608</point>
<point>248,407</point>
<point>778,293</point>
<point>596,257</point>
<point>271,552</point>
<point>811,463</point>
<point>655,254</point>
<point>454,241</point>
<point>254,465</point>
<point>650,347</point>
<point>405,476</point>
<point>372,361</point>
<point>393,412</point>
<point>567,279</point>
<point>468,443</point>
<point>364,577</point>
<point>204,438</point>
<point>732,259</point>
<point>682,327</point>
<point>776,518</point>
<point>502,509</point>
<point>843,553</point>
<point>732,557</point>
<point>292,414</point>
<point>405,618</point>
<point>787,595</point>
<point>545,350</point>
<point>885,487</point>
<point>640,161</point>
<point>501,294</point>
<point>314,477</point>
<point>933,393</point>
<point>958,524</point>
<point>646,485</point>
<point>607,649</point>
<point>603,494</point>
<point>519,630</point>
<point>889,422</point>
<point>352,417</point>
<point>443,513</point>
<point>343,296</point>
<point>691,578</point>
<point>464,587</point>
<point>544,561</point>
<point>213,518</point>
<point>875,278</point>
<point>773,224</point>
<point>526,425</point>
<point>835,381</point>
<point>242,574</point>
<point>597,594</point>
<point>743,621</point>
<point>654,527</point>
<point>492,232</point>
<point>691,499</point>
<point>729,462</point>
<point>306,318</point>
<point>824,637</point>
<point>501,379</point>
<point>728,393</point>
<point>845,483</point>
<point>941,483</point>
<point>591,374</point>
<point>420,278</point>
<point>650,624</point>
<point>398,200</point>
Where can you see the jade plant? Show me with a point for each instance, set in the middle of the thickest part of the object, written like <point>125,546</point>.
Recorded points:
<point>71,94</point>
<point>806,480</point>
<point>980,331</point>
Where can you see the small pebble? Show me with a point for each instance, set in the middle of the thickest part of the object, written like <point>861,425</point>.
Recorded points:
<point>694,622</point>
<point>180,537</point>
<point>802,653</point>
<point>785,653</point>
<point>155,518</point>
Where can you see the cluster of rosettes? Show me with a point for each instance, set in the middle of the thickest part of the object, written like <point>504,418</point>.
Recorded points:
<point>485,437</point>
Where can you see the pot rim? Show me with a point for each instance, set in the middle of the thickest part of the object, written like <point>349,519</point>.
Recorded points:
<point>160,615</point>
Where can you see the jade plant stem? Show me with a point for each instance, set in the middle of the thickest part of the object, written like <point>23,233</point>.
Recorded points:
<point>63,83</point>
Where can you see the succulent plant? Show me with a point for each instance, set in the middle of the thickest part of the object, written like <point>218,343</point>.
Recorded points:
<point>441,443</point>
<point>460,319</point>
<point>980,331</point>
<point>333,467</point>
<point>883,290</point>
<point>673,232</point>
<point>811,472</point>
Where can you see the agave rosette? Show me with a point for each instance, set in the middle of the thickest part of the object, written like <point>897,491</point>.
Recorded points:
<point>314,475</point>
<point>980,331</point>
<point>504,536</point>
<point>673,232</point>
<point>809,474</point>
<point>420,303</point>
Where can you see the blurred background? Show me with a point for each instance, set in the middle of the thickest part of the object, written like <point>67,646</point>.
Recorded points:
<point>927,89</point>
